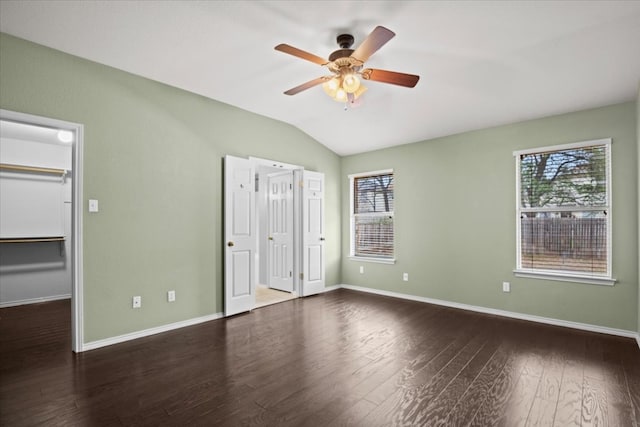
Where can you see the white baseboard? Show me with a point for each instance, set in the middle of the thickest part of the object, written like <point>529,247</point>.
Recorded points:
<point>159,329</point>
<point>332,288</point>
<point>34,300</point>
<point>575,325</point>
<point>504,313</point>
<point>151,331</point>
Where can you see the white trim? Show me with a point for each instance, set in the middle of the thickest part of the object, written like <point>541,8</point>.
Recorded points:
<point>503,313</point>
<point>638,339</point>
<point>77,300</point>
<point>372,259</point>
<point>257,161</point>
<point>370,173</point>
<point>77,286</point>
<point>608,208</point>
<point>332,288</point>
<point>34,300</point>
<point>559,147</point>
<point>565,277</point>
<point>151,331</point>
<point>567,209</point>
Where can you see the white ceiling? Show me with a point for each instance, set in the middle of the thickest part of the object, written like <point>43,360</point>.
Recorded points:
<point>481,63</point>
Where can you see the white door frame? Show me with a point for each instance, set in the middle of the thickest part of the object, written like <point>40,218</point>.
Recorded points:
<point>77,307</point>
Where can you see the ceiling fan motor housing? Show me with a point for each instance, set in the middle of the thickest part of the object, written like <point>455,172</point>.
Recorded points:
<point>345,41</point>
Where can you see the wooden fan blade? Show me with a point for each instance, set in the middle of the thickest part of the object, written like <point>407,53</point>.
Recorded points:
<point>383,76</point>
<point>301,54</point>
<point>307,85</point>
<point>374,41</point>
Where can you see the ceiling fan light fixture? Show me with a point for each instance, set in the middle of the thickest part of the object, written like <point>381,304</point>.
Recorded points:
<point>350,83</point>
<point>362,89</point>
<point>341,95</point>
<point>331,86</point>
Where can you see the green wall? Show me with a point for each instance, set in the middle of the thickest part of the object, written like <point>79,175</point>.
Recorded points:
<point>153,157</point>
<point>455,220</point>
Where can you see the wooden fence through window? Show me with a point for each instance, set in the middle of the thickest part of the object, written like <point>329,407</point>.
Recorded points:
<point>573,244</point>
<point>374,239</point>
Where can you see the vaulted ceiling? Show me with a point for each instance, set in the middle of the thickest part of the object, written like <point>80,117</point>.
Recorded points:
<point>481,63</point>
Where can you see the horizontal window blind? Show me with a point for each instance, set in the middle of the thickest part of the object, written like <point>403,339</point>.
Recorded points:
<point>563,209</point>
<point>373,204</point>
<point>574,177</point>
<point>373,194</point>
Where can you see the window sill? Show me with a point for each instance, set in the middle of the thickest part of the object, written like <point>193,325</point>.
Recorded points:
<point>565,277</point>
<point>374,260</point>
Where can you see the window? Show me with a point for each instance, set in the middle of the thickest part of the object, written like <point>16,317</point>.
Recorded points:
<point>564,212</point>
<point>372,201</point>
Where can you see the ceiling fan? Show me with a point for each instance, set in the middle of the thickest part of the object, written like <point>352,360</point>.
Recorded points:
<point>346,65</point>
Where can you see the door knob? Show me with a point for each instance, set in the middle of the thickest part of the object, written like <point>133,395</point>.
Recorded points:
<point>230,244</point>
<point>322,238</point>
<point>270,238</point>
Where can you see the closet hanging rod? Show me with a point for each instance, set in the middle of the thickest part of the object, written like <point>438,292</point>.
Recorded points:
<point>31,239</point>
<point>7,166</point>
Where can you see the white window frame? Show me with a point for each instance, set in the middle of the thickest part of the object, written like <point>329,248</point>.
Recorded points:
<point>566,276</point>
<point>352,222</point>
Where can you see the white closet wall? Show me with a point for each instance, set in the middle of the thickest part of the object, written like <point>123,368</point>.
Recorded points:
<point>34,272</point>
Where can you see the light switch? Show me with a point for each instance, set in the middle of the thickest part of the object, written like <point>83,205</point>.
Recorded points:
<point>93,205</point>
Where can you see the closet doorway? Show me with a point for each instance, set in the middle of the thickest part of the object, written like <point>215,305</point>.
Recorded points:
<point>274,232</point>
<point>40,227</point>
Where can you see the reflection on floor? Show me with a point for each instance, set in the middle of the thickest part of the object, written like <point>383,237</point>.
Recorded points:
<point>268,296</point>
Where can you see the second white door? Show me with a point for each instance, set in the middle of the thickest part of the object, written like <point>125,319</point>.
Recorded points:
<point>313,259</point>
<point>280,230</point>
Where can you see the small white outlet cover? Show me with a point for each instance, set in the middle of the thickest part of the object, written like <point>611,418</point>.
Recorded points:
<point>93,205</point>
<point>506,287</point>
<point>137,302</point>
<point>405,277</point>
<point>362,269</point>
<point>171,296</point>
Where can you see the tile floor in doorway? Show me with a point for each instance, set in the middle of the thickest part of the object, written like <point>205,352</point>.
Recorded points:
<point>268,296</point>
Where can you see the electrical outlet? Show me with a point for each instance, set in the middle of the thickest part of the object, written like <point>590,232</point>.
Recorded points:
<point>137,302</point>
<point>506,287</point>
<point>171,296</point>
<point>362,269</point>
<point>405,277</point>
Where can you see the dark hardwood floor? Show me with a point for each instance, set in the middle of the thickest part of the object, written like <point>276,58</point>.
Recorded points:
<point>341,358</point>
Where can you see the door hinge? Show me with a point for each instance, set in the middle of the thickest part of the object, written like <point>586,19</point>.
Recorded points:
<point>301,183</point>
<point>290,186</point>
<point>291,274</point>
<point>301,276</point>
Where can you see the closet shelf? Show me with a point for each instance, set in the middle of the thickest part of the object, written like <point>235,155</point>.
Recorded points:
<point>23,168</point>
<point>31,239</point>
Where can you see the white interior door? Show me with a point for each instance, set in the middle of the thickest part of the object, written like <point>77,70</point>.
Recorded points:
<point>239,236</point>
<point>280,230</point>
<point>313,260</point>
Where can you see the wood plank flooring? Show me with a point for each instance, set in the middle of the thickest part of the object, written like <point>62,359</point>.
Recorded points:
<point>337,359</point>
